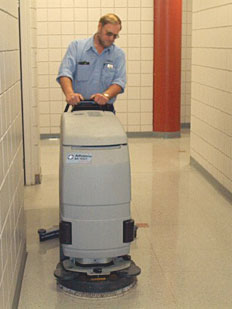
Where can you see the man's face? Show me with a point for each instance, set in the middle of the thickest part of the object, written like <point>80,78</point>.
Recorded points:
<point>107,34</point>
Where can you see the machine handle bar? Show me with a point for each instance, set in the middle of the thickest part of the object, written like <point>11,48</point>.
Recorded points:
<point>90,105</point>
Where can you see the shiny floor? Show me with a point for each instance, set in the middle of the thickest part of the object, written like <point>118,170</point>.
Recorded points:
<point>184,244</point>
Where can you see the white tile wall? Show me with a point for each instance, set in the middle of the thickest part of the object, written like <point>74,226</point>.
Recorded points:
<point>59,22</point>
<point>211,121</point>
<point>35,83</point>
<point>12,237</point>
<point>186,60</point>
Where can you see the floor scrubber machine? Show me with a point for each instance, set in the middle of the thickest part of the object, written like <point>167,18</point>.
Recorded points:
<point>96,228</point>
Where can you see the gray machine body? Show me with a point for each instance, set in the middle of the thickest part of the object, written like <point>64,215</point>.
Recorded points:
<point>95,184</point>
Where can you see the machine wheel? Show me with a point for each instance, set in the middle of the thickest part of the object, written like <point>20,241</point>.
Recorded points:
<point>117,282</point>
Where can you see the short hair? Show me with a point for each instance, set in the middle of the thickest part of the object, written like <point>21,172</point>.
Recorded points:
<point>110,19</point>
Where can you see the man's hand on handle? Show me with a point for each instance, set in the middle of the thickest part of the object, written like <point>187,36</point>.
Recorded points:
<point>74,98</point>
<point>99,98</point>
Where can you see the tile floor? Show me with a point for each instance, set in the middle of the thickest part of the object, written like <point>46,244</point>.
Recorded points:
<point>185,253</point>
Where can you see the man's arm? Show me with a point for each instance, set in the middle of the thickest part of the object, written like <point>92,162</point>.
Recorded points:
<point>103,98</point>
<point>113,90</point>
<point>66,73</point>
<point>71,97</point>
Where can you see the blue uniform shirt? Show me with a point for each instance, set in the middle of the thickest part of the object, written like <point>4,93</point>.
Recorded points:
<point>91,72</point>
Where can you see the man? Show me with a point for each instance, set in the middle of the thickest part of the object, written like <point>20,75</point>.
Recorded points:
<point>94,68</point>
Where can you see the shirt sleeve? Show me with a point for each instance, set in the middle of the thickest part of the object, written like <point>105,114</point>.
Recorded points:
<point>120,75</point>
<point>68,64</point>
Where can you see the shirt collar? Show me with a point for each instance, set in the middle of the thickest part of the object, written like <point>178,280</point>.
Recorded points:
<point>90,45</point>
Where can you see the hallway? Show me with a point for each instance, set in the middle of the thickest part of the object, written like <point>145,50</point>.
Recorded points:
<point>183,245</point>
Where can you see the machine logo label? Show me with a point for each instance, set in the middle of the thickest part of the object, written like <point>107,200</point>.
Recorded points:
<point>79,157</point>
